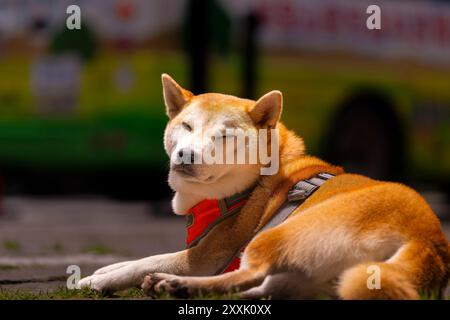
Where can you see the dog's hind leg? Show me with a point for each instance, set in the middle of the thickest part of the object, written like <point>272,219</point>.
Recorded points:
<point>184,287</point>
<point>258,260</point>
<point>415,267</point>
<point>288,285</point>
<point>273,286</point>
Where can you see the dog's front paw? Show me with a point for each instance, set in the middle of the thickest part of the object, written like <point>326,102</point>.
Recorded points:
<point>113,281</point>
<point>94,282</point>
<point>157,283</point>
<point>100,283</point>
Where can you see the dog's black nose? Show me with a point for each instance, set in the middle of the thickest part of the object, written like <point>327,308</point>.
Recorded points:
<point>186,156</point>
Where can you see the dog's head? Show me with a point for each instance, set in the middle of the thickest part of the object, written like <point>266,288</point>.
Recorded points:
<point>205,127</point>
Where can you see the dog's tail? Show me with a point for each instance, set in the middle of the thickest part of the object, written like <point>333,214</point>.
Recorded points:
<point>417,269</point>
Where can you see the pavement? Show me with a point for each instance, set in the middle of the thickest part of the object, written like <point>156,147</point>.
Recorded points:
<point>40,238</point>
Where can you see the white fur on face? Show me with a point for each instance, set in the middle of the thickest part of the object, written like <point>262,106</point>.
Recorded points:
<point>206,181</point>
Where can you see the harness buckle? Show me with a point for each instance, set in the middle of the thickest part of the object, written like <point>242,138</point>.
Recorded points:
<point>302,190</point>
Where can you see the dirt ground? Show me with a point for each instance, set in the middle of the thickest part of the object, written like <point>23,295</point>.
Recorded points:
<point>40,238</point>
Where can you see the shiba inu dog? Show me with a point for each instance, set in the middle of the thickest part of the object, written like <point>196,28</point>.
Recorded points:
<point>350,231</point>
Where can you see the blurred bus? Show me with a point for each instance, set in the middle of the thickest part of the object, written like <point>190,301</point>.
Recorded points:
<point>89,104</point>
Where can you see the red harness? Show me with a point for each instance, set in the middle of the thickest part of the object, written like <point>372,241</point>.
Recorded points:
<point>207,213</point>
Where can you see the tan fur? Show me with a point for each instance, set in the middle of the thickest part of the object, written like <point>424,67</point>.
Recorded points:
<point>325,247</point>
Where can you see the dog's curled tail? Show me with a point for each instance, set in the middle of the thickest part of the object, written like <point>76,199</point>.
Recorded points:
<point>416,269</point>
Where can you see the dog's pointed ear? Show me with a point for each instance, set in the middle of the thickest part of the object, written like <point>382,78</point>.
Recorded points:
<point>175,97</point>
<point>267,110</point>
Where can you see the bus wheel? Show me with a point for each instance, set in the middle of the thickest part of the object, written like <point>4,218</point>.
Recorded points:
<point>366,137</point>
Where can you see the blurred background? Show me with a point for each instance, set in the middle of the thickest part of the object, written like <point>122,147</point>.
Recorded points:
<point>82,165</point>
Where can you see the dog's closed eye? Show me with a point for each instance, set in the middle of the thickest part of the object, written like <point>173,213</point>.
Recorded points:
<point>186,126</point>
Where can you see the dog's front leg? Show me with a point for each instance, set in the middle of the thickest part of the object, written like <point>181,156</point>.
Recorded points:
<point>211,254</point>
<point>132,273</point>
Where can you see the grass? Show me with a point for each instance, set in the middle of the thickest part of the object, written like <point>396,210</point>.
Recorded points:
<point>62,293</point>
<point>431,295</point>
<point>99,249</point>
<point>8,267</point>
<point>11,245</point>
<point>207,296</point>
<point>58,247</point>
